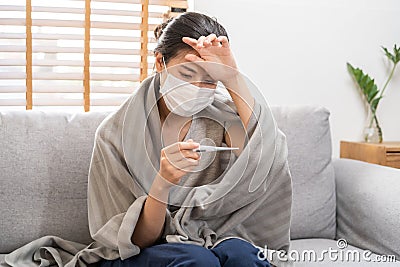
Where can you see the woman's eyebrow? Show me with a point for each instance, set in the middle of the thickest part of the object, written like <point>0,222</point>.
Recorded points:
<point>189,69</point>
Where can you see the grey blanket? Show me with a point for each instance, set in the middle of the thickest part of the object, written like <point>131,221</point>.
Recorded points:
<point>251,200</point>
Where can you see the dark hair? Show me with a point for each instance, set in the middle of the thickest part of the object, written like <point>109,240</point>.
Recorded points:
<point>191,24</point>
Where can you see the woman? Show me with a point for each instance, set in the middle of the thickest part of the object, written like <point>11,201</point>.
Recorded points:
<point>177,218</point>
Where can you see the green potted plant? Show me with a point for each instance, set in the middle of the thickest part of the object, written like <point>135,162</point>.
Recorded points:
<point>372,95</point>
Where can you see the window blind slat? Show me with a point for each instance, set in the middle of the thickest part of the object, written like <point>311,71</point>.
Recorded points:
<point>58,23</point>
<point>114,77</point>
<point>54,9</point>
<point>12,8</point>
<point>12,89</point>
<point>115,38</point>
<point>58,89</point>
<point>12,102</point>
<point>46,36</point>
<point>129,13</point>
<point>55,49</point>
<point>114,101</point>
<point>114,25</point>
<point>12,48</point>
<point>114,64</point>
<point>12,22</point>
<point>12,35</point>
<point>114,51</point>
<point>57,76</point>
<point>12,75</point>
<point>48,62</point>
<point>53,101</point>
<point>116,89</point>
<point>12,62</point>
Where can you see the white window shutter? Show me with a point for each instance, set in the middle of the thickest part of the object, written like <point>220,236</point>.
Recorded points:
<point>76,54</point>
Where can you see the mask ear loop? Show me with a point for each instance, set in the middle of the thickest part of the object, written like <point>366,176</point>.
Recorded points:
<point>165,65</point>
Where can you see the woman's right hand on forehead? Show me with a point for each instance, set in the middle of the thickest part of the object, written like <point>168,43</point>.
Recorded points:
<point>177,159</point>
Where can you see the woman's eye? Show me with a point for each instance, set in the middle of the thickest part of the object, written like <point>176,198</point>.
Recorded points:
<point>186,76</point>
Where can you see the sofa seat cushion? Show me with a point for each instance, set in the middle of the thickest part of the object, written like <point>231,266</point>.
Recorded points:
<point>368,209</point>
<point>347,256</point>
<point>310,153</point>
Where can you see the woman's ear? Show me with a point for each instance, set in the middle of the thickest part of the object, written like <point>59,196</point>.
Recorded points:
<point>159,62</point>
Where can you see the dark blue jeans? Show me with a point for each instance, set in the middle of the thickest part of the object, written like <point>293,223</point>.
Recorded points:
<point>232,252</point>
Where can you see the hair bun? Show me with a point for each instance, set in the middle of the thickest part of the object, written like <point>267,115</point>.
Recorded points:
<point>158,31</point>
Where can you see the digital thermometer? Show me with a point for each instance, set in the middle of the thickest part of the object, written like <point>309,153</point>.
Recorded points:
<point>202,148</point>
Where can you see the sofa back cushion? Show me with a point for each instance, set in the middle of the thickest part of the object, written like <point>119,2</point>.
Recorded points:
<point>310,152</point>
<point>44,164</point>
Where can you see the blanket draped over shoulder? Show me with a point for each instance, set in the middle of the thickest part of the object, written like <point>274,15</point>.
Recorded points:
<point>251,200</point>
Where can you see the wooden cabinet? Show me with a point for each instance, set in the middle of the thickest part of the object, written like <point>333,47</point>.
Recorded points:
<point>386,153</point>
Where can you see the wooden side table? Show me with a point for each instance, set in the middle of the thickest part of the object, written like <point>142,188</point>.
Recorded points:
<point>386,153</point>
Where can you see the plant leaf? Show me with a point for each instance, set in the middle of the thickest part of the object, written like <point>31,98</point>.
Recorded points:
<point>395,57</point>
<point>365,84</point>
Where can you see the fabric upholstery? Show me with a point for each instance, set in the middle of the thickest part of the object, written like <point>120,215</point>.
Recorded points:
<point>310,151</point>
<point>44,159</point>
<point>368,205</point>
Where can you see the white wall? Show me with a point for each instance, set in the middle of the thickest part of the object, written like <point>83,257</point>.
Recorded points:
<point>296,52</point>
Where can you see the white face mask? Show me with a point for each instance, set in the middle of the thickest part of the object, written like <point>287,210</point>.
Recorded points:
<point>184,98</point>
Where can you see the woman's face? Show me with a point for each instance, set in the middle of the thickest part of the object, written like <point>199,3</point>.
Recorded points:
<point>185,70</point>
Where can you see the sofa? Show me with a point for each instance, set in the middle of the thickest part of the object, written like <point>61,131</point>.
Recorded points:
<point>339,205</point>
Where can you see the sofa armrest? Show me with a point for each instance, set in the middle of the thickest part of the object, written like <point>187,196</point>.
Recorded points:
<point>368,205</point>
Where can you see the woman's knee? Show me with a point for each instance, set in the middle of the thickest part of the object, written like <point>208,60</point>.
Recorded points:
<point>194,255</point>
<point>238,252</point>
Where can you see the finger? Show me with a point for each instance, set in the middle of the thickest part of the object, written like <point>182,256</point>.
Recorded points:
<point>193,57</point>
<point>179,161</point>
<point>189,154</point>
<point>187,164</point>
<point>187,145</point>
<point>190,41</point>
<point>182,155</point>
<point>209,39</point>
<point>174,157</point>
<point>200,41</point>
<point>215,42</point>
<point>177,146</point>
<point>224,41</point>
